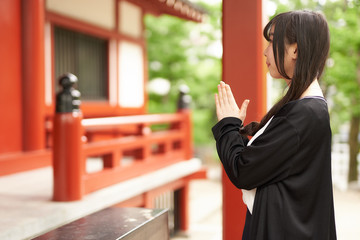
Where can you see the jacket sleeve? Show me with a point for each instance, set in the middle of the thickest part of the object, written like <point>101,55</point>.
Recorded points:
<point>265,161</point>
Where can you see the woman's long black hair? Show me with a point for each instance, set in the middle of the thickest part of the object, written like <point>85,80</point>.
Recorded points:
<point>311,33</point>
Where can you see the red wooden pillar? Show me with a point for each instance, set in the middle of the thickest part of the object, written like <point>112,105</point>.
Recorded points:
<point>243,69</point>
<point>184,193</point>
<point>10,82</point>
<point>33,13</point>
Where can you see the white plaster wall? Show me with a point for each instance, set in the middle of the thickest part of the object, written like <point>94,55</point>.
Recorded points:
<point>130,19</point>
<point>131,75</point>
<point>97,12</point>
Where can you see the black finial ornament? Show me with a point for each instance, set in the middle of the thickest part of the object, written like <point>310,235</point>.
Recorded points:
<point>68,99</point>
<point>184,99</point>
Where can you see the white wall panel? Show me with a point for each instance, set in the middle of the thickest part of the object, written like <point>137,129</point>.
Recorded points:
<point>97,12</point>
<point>131,75</point>
<point>130,19</point>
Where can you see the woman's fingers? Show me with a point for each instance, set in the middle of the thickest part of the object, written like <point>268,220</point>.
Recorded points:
<point>226,105</point>
<point>216,101</point>
<point>230,97</point>
<point>224,92</point>
<point>218,108</point>
<point>217,104</point>
<point>219,96</point>
<point>243,109</point>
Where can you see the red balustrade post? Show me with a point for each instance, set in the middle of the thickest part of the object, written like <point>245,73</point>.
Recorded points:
<point>189,147</point>
<point>182,195</point>
<point>68,161</point>
<point>183,106</point>
<point>144,153</point>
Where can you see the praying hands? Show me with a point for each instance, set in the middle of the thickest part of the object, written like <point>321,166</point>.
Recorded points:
<point>226,105</point>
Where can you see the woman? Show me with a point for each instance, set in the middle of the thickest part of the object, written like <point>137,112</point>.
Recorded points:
<point>285,169</point>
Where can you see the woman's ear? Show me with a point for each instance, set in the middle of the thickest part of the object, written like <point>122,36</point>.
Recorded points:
<point>292,51</point>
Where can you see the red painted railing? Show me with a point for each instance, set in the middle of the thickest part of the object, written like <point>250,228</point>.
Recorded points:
<point>128,146</point>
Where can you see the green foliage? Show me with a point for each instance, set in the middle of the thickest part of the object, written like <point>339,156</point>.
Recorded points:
<point>343,73</point>
<point>179,51</point>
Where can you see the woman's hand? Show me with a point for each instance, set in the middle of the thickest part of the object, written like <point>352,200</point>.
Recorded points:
<point>226,105</point>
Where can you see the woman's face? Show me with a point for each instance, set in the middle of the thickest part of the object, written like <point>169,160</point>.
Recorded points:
<point>289,58</point>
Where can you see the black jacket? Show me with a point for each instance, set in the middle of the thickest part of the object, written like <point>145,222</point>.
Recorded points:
<point>290,165</point>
